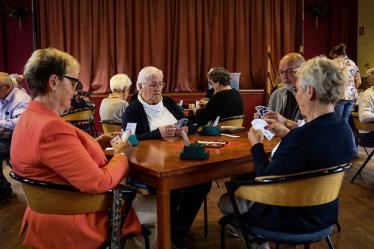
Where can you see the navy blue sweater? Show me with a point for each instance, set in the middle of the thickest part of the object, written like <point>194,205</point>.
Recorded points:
<point>321,143</point>
<point>226,103</point>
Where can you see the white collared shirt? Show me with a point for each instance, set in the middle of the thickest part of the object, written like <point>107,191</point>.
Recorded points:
<point>12,107</point>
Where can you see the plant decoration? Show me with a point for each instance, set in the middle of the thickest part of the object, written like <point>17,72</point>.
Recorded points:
<point>318,9</point>
<point>17,13</point>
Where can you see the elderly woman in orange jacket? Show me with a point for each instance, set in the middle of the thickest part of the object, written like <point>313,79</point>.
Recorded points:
<point>60,152</point>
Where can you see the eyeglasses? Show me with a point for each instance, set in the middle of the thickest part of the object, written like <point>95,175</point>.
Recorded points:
<point>155,84</point>
<point>77,85</point>
<point>1,86</point>
<point>289,71</point>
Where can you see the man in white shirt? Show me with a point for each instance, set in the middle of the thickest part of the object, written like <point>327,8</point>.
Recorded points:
<point>366,109</point>
<point>13,102</point>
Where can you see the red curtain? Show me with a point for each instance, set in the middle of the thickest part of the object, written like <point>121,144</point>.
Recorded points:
<point>184,38</point>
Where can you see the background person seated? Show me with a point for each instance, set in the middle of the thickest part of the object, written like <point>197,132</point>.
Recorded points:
<point>13,102</point>
<point>366,108</point>
<point>322,142</point>
<point>63,153</point>
<point>155,116</point>
<point>226,102</point>
<point>113,107</point>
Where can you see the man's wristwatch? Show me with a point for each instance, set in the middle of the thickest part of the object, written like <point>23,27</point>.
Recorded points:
<point>289,123</point>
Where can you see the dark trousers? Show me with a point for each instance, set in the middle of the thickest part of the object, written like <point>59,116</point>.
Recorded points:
<point>4,154</point>
<point>184,206</point>
<point>343,110</point>
<point>367,139</point>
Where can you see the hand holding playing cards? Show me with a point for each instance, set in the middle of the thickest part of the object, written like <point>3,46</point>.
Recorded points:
<point>167,131</point>
<point>276,116</point>
<point>276,127</point>
<point>104,139</point>
<point>125,148</point>
<point>255,136</point>
<point>178,131</point>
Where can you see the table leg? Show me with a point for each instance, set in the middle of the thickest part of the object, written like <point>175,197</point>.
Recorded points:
<point>163,219</point>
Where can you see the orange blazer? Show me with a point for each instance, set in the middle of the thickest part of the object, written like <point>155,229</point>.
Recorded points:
<point>45,147</point>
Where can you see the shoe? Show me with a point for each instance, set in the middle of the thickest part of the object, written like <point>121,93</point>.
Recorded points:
<point>264,245</point>
<point>232,232</point>
<point>178,245</point>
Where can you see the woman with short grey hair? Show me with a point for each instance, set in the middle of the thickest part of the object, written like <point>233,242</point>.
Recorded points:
<point>113,107</point>
<point>323,141</point>
<point>325,77</point>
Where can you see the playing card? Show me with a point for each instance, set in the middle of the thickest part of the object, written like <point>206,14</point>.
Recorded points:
<point>216,121</point>
<point>259,107</point>
<point>262,110</point>
<point>186,141</point>
<point>116,142</point>
<point>268,134</point>
<point>259,124</point>
<point>131,127</point>
<point>181,122</point>
<point>125,136</point>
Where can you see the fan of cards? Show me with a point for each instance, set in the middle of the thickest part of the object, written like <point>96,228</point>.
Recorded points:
<point>262,110</point>
<point>259,124</point>
<point>120,140</point>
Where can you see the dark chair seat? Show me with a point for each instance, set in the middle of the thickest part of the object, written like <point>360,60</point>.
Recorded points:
<point>291,238</point>
<point>304,189</point>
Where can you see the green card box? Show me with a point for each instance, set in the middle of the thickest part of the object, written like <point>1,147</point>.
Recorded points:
<point>194,151</point>
<point>208,130</point>
<point>133,140</point>
<point>181,108</point>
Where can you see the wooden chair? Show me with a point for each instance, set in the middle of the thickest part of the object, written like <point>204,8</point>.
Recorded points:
<point>57,198</point>
<point>303,189</point>
<point>364,127</point>
<point>232,121</point>
<point>109,126</point>
<point>82,117</point>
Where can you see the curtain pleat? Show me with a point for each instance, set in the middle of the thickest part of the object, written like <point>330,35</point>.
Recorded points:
<point>184,38</point>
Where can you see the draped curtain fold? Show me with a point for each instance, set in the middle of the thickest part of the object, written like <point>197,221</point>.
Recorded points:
<point>184,38</point>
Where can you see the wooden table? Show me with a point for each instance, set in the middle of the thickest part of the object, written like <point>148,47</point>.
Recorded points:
<point>157,163</point>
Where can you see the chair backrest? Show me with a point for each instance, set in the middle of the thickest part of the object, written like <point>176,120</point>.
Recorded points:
<point>53,198</point>
<point>232,121</point>
<point>362,126</point>
<point>109,126</point>
<point>297,190</point>
<point>79,114</point>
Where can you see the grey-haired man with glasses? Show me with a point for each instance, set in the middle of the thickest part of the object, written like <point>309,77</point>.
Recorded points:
<point>282,104</point>
<point>13,102</point>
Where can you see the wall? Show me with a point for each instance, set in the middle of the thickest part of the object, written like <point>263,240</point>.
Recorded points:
<point>16,45</point>
<point>339,25</point>
<point>365,46</point>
